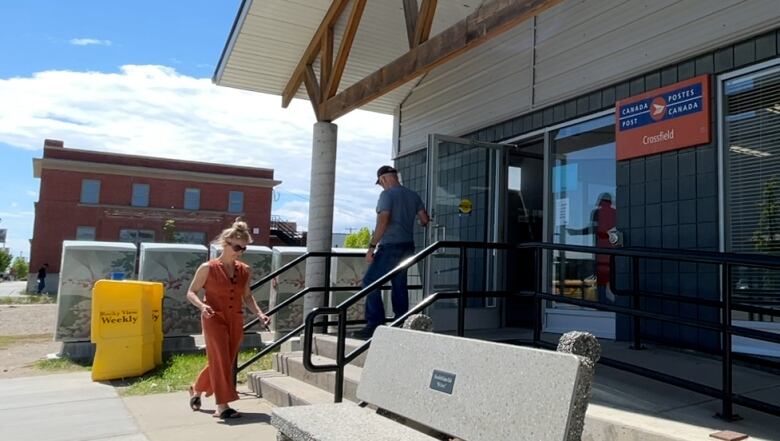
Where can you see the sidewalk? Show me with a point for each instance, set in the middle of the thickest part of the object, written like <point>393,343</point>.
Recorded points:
<point>70,407</point>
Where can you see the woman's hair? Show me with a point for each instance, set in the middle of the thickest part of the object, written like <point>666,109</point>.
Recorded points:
<point>239,230</point>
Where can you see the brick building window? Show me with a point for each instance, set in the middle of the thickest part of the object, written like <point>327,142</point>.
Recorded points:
<point>196,237</point>
<point>236,202</point>
<point>90,191</point>
<point>192,199</point>
<point>136,236</point>
<point>85,233</point>
<point>140,195</point>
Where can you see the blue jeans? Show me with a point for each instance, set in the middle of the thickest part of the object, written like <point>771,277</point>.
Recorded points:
<point>41,285</point>
<point>386,258</point>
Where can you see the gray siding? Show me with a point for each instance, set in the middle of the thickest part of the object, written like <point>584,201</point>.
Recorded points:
<point>580,46</point>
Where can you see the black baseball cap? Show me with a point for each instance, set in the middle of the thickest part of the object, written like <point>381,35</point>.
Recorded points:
<point>383,170</point>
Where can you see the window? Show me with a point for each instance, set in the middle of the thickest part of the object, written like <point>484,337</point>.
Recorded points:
<point>751,153</point>
<point>196,237</point>
<point>140,195</point>
<point>192,199</point>
<point>136,236</point>
<point>583,190</point>
<point>85,233</point>
<point>236,202</point>
<point>90,191</point>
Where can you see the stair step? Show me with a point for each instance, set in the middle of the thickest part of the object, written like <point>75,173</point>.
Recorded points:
<point>286,391</point>
<point>291,364</point>
<point>253,380</point>
<point>325,345</point>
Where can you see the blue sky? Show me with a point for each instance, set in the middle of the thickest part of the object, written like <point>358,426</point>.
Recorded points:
<point>134,76</point>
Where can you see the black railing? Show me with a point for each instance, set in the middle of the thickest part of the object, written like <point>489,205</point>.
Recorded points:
<point>327,289</point>
<point>726,260</point>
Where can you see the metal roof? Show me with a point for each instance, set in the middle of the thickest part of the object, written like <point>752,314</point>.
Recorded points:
<point>270,36</point>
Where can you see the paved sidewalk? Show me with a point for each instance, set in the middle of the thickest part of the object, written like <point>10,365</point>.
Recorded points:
<point>167,417</point>
<point>71,407</point>
<point>64,407</point>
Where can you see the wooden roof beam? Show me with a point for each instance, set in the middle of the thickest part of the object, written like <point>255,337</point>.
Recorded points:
<point>484,24</point>
<point>310,54</point>
<point>410,14</point>
<point>344,48</point>
<point>425,22</point>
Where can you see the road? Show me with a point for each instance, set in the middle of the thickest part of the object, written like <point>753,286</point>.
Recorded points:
<point>12,288</point>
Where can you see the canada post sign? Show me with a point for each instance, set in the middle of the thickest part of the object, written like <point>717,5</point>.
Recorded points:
<point>669,118</point>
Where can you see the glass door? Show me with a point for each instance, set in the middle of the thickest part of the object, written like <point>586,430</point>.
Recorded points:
<point>583,186</point>
<point>463,201</point>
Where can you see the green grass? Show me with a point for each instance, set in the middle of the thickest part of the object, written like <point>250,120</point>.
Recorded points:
<point>31,299</point>
<point>178,372</point>
<point>60,365</point>
<point>8,340</point>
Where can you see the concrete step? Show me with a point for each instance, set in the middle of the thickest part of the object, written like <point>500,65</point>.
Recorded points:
<point>325,345</point>
<point>253,380</point>
<point>291,364</point>
<point>286,391</point>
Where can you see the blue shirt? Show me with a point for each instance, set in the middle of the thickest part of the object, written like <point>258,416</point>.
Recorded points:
<point>403,205</point>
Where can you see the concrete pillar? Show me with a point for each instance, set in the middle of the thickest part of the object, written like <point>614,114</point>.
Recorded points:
<point>322,189</point>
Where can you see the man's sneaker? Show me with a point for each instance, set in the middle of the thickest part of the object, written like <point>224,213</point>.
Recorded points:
<point>363,334</point>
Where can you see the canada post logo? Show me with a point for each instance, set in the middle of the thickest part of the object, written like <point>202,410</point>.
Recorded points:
<point>669,118</point>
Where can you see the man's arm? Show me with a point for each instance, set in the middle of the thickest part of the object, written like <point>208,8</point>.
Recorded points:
<point>424,218</point>
<point>382,221</point>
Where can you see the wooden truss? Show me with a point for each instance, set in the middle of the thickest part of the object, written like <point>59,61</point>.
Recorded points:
<point>425,53</point>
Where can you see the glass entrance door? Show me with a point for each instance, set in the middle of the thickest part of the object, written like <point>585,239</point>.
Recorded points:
<point>463,201</point>
<point>583,188</point>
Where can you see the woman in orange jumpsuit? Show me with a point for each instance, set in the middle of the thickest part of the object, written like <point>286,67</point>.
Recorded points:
<point>226,282</point>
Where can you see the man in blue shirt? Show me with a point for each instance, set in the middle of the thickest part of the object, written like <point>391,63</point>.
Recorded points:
<point>391,243</point>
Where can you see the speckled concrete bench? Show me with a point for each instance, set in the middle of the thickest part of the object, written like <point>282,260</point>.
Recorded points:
<point>470,389</point>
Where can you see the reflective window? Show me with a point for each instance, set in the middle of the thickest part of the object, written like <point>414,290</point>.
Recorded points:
<point>196,237</point>
<point>90,191</point>
<point>751,141</point>
<point>236,202</point>
<point>136,236</point>
<point>192,199</point>
<point>85,233</point>
<point>583,193</point>
<point>140,195</point>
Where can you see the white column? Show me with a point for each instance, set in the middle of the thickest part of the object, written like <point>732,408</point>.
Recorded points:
<point>322,189</point>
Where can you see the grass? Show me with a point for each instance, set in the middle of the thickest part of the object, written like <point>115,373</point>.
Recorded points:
<point>179,371</point>
<point>60,365</point>
<point>8,340</point>
<point>28,299</point>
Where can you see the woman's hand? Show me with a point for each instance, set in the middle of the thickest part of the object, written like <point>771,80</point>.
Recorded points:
<point>264,319</point>
<point>206,311</point>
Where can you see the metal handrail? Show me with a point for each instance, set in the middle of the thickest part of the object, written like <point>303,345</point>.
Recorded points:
<point>727,330</point>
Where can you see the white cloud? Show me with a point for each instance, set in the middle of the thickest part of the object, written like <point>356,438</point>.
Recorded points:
<point>155,111</point>
<point>89,42</point>
<point>31,193</point>
<point>14,204</point>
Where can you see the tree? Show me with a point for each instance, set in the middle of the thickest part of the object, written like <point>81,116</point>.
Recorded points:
<point>5,260</point>
<point>359,239</point>
<point>169,230</point>
<point>20,268</point>
<point>767,237</point>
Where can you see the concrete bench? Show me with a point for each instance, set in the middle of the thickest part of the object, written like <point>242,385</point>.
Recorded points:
<point>469,389</point>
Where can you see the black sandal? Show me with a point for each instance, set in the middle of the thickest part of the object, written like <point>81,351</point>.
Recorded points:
<point>229,413</point>
<point>194,400</point>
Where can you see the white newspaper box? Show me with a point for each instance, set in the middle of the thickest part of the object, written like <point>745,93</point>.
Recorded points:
<point>84,263</point>
<point>174,266</point>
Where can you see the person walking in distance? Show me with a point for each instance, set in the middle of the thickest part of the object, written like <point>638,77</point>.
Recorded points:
<point>226,284</point>
<point>42,277</point>
<point>391,243</point>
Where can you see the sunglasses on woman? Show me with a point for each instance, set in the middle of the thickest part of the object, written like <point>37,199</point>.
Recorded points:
<point>237,248</point>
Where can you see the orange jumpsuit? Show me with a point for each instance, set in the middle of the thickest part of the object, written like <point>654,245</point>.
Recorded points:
<point>223,332</point>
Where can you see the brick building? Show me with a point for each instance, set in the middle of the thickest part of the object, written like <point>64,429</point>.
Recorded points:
<point>87,195</point>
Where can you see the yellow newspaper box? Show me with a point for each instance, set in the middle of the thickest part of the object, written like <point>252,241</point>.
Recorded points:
<point>128,342</point>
